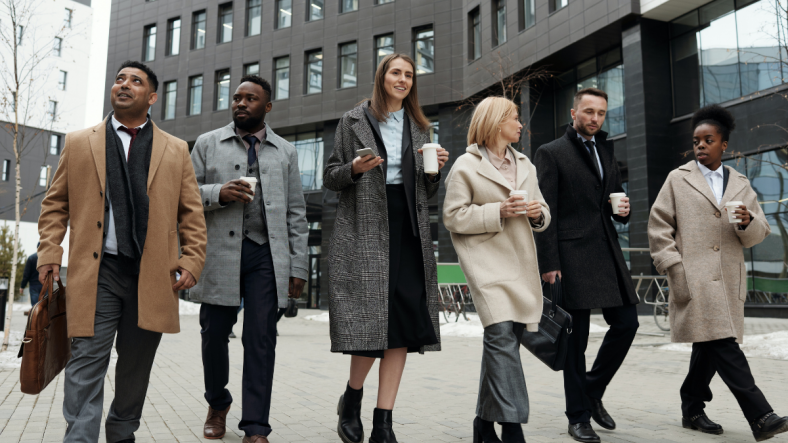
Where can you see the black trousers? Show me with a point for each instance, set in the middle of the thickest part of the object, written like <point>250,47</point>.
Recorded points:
<point>580,386</point>
<point>258,289</point>
<point>726,358</point>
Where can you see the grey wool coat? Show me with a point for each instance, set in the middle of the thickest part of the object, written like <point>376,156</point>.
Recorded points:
<point>220,156</point>
<point>358,257</point>
<point>692,241</point>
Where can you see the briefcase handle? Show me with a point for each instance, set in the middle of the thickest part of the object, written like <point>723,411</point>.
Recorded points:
<point>557,299</point>
<point>49,296</point>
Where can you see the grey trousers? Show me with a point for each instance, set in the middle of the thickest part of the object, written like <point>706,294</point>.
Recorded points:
<point>503,397</point>
<point>116,312</point>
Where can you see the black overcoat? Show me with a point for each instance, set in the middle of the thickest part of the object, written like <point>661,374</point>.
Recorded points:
<point>581,240</point>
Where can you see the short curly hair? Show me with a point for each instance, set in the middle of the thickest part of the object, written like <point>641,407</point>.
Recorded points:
<point>717,116</point>
<point>259,81</point>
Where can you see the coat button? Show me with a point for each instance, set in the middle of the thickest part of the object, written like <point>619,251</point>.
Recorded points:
<point>237,167</point>
<point>246,232</point>
<point>716,248</point>
<point>95,255</point>
<point>106,208</point>
<point>98,224</point>
<point>232,233</point>
<point>246,216</point>
<point>717,214</point>
<point>101,194</point>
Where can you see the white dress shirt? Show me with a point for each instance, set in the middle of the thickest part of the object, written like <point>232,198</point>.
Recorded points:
<point>714,179</point>
<point>111,245</point>
<point>391,131</point>
<point>596,156</point>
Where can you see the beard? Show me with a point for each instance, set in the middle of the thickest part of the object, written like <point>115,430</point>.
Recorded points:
<point>584,130</point>
<point>248,123</point>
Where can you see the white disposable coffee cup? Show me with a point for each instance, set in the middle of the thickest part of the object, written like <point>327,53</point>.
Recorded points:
<point>430,154</point>
<point>525,198</point>
<point>732,206</point>
<point>252,181</point>
<point>615,199</point>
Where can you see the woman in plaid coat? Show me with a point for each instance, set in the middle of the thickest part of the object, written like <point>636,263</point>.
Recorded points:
<point>383,289</point>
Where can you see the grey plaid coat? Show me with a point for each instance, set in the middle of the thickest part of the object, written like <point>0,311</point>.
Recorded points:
<point>220,156</point>
<point>358,258</point>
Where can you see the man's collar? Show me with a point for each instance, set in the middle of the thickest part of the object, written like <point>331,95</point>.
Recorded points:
<point>583,139</point>
<point>116,124</point>
<point>704,170</point>
<point>260,135</point>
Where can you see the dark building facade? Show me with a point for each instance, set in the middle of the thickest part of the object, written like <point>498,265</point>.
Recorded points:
<point>659,60</point>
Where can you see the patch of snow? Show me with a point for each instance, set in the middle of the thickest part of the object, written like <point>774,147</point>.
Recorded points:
<point>773,345</point>
<point>8,359</point>
<point>462,328</point>
<point>323,317</point>
<point>20,307</point>
<point>596,328</point>
<point>188,308</point>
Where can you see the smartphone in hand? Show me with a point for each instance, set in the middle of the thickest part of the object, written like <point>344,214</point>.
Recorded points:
<point>364,152</point>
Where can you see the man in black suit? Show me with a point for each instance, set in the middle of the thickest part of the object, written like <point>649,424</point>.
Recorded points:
<point>577,173</point>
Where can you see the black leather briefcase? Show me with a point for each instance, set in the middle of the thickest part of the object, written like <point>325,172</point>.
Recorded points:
<point>550,343</point>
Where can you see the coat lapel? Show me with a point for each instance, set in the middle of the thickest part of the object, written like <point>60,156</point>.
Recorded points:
<point>571,134</point>
<point>606,159</point>
<point>735,185</point>
<point>487,170</point>
<point>157,152</point>
<point>98,146</point>
<point>696,179</point>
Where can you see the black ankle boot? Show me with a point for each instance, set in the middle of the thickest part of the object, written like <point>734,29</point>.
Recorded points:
<point>768,426</point>
<point>484,431</point>
<point>512,433</point>
<point>381,427</point>
<point>349,427</point>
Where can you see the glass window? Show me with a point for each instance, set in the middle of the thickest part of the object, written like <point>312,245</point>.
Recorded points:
<point>195,95</point>
<point>42,177</point>
<point>424,49</point>
<point>380,2</point>
<point>384,45</point>
<point>149,43</point>
<point>198,29</point>
<point>57,47</point>
<point>252,69</point>
<point>348,58</point>
<point>174,36</point>
<point>170,95</point>
<point>222,89</point>
<point>282,78</point>
<point>759,47</point>
<point>348,5</point>
<point>499,22</point>
<point>6,170</point>
<point>225,23</point>
<point>527,14</point>
<point>52,110</point>
<point>474,35</point>
<point>67,18</point>
<point>309,146</point>
<point>61,80</point>
<point>254,17</point>
<point>54,144</point>
<point>315,10</point>
<point>719,60</point>
<point>612,82</point>
<point>434,129</point>
<point>284,13</point>
<point>555,5</point>
<point>314,72</point>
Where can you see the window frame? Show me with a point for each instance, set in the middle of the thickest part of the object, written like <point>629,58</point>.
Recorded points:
<point>57,48</point>
<point>276,77</point>
<point>67,21</point>
<point>216,88</point>
<point>54,150</point>
<point>169,102</point>
<point>377,48</point>
<point>249,65</point>
<point>339,65</point>
<point>309,5</point>
<point>497,5</point>
<point>474,30</point>
<point>342,9</point>
<point>196,29</point>
<point>248,19</point>
<point>278,10</point>
<point>42,176</point>
<point>222,12</point>
<point>307,71</point>
<point>52,109</point>
<point>555,6</point>
<point>62,75</point>
<point>522,13</point>
<point>191,97</point>
<point>414,32</point>
<point>168,50</point>
<point>147,38</point>
<point>6,170</point>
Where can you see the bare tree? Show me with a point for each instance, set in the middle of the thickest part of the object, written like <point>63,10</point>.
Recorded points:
<point>25,49</point>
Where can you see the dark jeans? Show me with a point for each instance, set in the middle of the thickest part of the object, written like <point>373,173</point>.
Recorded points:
<point>580,386</point>
<point>726,358</point>
<point>34,293</point>
<point>258,289</point>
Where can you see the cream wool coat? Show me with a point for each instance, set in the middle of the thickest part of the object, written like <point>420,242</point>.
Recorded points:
<point>692,241</point>
<point>498,256</point>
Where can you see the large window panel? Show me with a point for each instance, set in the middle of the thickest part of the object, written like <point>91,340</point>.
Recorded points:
<point>720,61</point>
<point>474,35</point>
<point>769,179</point>
<point>499,22</point>
<point>759,47</point>
<point>198,29</point>
<point>527,14</point>
<point>348,5</point>
<point>384,45</point>
<point>612,82</point>
<point>222,90</point>
<point>149,43</point>
<point>254,17</point>
<point>768,277</point>
<point>225,23</point>
<point>195,95</point>
<point>314,72</point>
<point>686,66</point>
<point>424,49</point>
<point>282,78</point>
<point>173,36</point>
<point>284,13</point>
<point>315,10</point>
<point>309,146</point>
<point>348,65</point>
<point>170,98</point>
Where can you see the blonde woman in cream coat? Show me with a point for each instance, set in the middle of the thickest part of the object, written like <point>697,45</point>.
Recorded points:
<point>493,235</point>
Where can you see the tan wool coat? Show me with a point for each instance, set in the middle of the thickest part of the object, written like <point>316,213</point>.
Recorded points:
<point>692,241</point>
<point>498,256</point>
<point>77,196</point>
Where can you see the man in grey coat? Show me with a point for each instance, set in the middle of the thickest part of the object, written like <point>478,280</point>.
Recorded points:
<point>257,250</point>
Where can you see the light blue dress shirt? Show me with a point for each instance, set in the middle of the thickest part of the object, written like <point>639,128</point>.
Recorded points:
<point>596,156</point>
<point>391,131</point>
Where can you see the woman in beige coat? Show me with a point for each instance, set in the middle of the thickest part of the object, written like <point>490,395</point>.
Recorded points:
<point>693,242</point>
<point>492,232</point>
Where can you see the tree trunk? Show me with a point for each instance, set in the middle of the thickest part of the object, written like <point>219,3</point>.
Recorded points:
<point>14,259</point>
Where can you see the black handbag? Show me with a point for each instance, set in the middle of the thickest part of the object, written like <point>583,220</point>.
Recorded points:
<point>550,343</point>
<point>292,308</point>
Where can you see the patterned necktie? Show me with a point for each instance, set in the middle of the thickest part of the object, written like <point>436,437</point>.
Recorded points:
<point>251,152</point>
<point>590,145</point>
<point>133,133</point>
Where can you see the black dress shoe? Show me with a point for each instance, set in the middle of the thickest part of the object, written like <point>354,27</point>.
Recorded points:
<point>701,423</point>
<point>512,433</point>
<point>600,415</point>
<point>381,427</point>
<point>349,426</point>
<point>583,432</point>
<point>768,426</point>
<point>484,431</point>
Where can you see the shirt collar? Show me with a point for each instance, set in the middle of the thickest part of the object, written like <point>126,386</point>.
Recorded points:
<point>399,115</point>
<point>583,139</point>
<point>260,135</point>
<point>116,124</point>
<point>706,171</point>
<point>498,161</point>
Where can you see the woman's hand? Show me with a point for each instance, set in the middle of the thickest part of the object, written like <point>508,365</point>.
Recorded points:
<point>443,157</point>
<point>534,210</point>
<point>365,163</point>
<point>743,214</point>
<point>512,205</point>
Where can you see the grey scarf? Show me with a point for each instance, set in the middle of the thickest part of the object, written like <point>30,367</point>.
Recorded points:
<point>127,189</point>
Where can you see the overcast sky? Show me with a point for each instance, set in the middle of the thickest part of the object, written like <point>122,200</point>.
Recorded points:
<point>98,62</point>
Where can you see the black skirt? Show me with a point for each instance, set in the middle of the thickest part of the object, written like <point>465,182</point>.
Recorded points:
<point>410,325</point>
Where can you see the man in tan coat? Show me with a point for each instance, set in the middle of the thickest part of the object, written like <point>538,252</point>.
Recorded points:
<point>127,194</point>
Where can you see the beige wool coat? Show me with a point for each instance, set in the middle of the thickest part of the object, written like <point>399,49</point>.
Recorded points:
<point>498,256</point>
<point>692,241</point>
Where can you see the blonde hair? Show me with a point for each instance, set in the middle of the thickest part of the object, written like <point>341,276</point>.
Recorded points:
<point>487,116</point>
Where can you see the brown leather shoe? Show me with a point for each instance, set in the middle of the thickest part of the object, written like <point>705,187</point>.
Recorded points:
<point>256,439</point>
<point>215,424</point>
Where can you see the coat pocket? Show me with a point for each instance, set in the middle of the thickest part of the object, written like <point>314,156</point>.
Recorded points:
<point>494,260</point>
<point>570,234</point>
<point>743,283</point>
<point>679,287</point>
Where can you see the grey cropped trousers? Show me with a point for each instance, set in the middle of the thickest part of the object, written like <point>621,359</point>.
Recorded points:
<point>503,397</point>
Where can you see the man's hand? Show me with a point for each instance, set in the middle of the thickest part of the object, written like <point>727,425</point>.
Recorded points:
<point>46,269</point>
<point>21,291</point>
<point>187,281</point>
<point>296,287</point>
<point>235,191</point>
<point>623,207</point>
<point>549,277</point>
<point>364,164</point>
